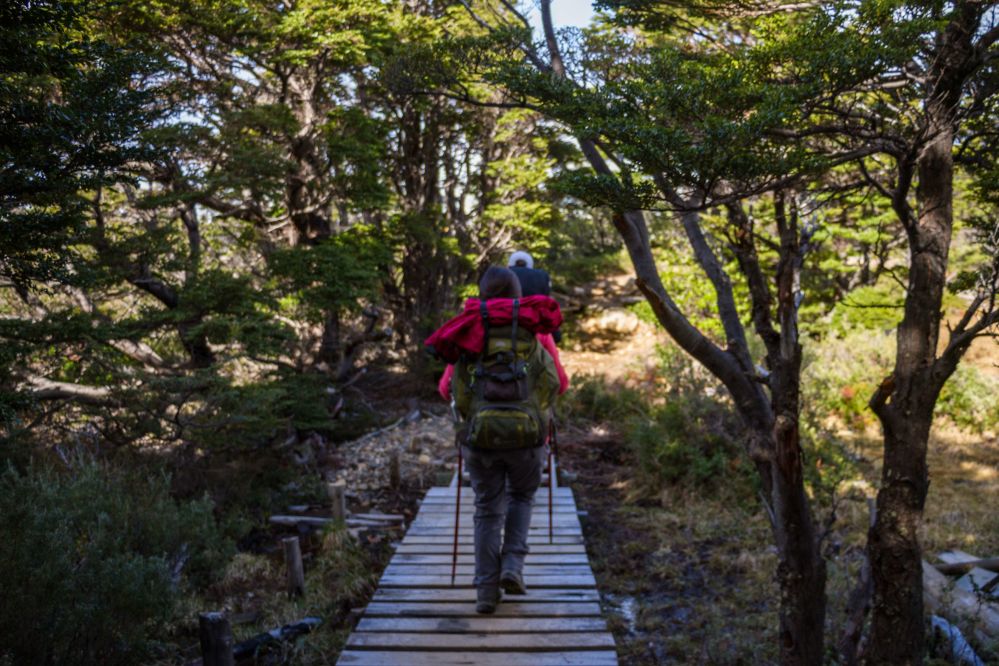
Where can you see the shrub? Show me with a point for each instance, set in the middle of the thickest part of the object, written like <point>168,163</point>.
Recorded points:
<point>688,441</point>
<point>968,399</point>
<point>593,399</point>
<point>871,308</point>
<point>839,375</point>
<point>92,562</point>
<point>573,269</point>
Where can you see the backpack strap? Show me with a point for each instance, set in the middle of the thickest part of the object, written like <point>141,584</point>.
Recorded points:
<point>480,370</point>
<point>513,328</point>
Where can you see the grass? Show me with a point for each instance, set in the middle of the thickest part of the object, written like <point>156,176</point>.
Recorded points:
<point>699,570</point>
<point>341,573</point>
<point>695,553</point>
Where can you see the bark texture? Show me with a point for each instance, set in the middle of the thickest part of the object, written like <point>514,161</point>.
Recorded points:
<point>771,420</point>
<point>905,401</point>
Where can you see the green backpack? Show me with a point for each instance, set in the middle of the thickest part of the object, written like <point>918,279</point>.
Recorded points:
<point>506,393</point>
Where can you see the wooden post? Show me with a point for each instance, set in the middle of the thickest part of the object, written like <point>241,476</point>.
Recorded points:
<point>293,560</point>
<point>395,470</point>
<point>337,493</point>
<point>216,639</point>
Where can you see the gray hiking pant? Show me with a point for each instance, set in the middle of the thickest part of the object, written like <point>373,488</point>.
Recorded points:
<point>504,483</point>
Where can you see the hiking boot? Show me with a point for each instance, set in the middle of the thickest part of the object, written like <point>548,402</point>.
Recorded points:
<point>488,598</point>
<point>512,582</point>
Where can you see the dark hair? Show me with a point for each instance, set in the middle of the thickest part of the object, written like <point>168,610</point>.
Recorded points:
<point>499,282</point>
<point>521,263</point>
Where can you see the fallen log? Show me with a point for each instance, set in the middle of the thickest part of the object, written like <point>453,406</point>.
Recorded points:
<point>963,567</point>
<point>960,651</point>
<point>319,521</point>
<point>294,521</point>
<point>251,646</point>
<point>941,596</point>
<point>383,517</point>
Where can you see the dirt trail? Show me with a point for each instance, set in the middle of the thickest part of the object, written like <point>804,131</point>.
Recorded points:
<point>603,336</point>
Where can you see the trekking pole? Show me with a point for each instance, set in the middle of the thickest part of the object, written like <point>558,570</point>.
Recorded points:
<point>457,501</point>
<point>552,445</point>
<point>457,515</point>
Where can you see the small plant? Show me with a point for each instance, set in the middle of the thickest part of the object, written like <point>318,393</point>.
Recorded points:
<point>94,562</point>
<point>593,399</point>
<point>841,373</point>
<point>968,399</point>
<point>687,441</point>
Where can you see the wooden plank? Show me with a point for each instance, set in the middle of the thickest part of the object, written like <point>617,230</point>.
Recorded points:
<point>940,594</point>
<point>443,548</point>
<point>468,504</point>
<point>383,517</point>
<point>467,595</point>
<point>535,532</point>
<point>482,642</point>
<point>561,495</point>
<point>530,569</point>
<point>444,491</point>
<point>441,501</point>
<point>537,510</point>
<point>508,608</point>
<point>468,509</point>
<point>469,499</point>
<point>469,530</point>
<point>951,569</point>
<point>444,580</point>
<point>381,658</point>
<point>416,618</point>
<point>469,558</point>
<point>535,526</point>
<point>976,578</point>
<point>448,521</point>
<point>481,624</point>
<point>441,505</point>
<point>532,539</point>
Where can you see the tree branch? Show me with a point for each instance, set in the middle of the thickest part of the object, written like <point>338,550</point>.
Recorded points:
<point>47,389</point>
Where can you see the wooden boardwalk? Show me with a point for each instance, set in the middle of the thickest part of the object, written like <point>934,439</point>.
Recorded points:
<point>417,619</point>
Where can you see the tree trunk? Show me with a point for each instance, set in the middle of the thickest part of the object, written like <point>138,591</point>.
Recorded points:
<point>904,403</point>
<point>897,623</point>
<point>801,571</point>
<point>773,445</point>
<point>196,346</point>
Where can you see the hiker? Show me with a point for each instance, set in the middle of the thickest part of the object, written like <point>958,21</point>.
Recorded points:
<point>504,386</point>
<point>533,280</point>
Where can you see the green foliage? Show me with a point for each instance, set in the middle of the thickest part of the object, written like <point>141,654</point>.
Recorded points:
<point>340,577</point>
<point>231,416</point>
<point>677,444</point>
<point>577,268</point>
<point>69,117</point>
<point>840,374</point>
<point>592,399</point>
<point>877,307</point>
<point>92,561</point>
<point>689,440</point>
<point>344,567</point>
<point>968,399</point>
<point>335,275</point>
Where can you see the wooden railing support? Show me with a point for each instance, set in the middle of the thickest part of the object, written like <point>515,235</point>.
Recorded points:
<point>216,639</point>
<point>293,560</point>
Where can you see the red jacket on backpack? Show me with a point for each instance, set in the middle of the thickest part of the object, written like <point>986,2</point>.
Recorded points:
<point>465,333</point>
